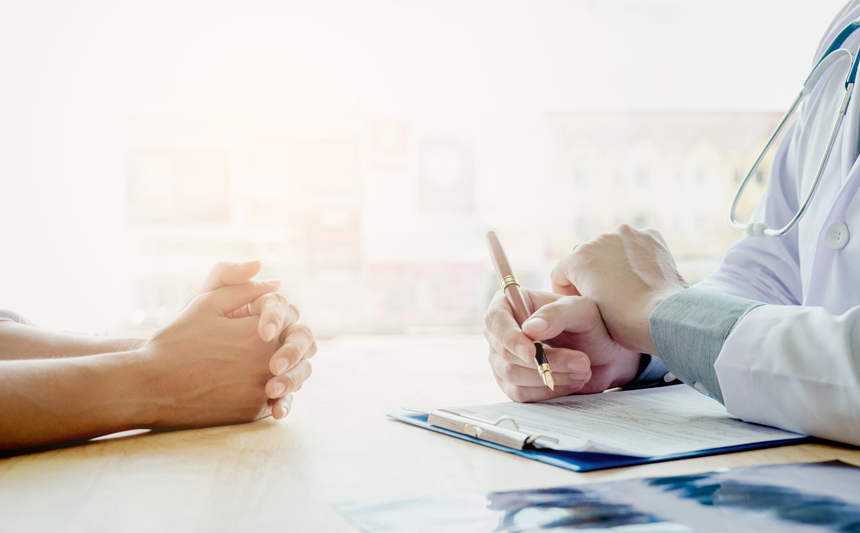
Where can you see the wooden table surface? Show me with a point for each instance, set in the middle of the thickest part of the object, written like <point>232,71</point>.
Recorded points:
<point>337,445</point>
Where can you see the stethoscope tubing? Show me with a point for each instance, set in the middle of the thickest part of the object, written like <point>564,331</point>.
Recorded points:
<point>758,228</point>
<point>829,57</point>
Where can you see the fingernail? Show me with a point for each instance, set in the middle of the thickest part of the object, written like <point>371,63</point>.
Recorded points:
<point>269,331</point>
<point>284,410</point>
<point>281,365</point>
<point>578,365</point>
<point>522,351</point>
<point>536,324</point>
<point>243,263</point>
<point>279,389</point>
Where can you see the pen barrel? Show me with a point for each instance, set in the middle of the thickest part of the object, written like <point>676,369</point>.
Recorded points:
<point>540,357</point>
<point>517,301</point>
<point>497,254</point>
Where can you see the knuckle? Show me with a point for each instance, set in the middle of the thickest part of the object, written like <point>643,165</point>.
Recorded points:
<point>507,371</point>
<point>509,338</point>
<point>294,310</point>
<point>277,301</point>
<point>301,329</point>
<point>221,266</point>
<point>584,251</point>
<point>517,394</point>
<point>492,316</point>
<point>202,299</point>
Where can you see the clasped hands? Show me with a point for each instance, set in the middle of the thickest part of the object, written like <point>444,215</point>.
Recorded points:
<point>595,322</point>
<point>234,353</point>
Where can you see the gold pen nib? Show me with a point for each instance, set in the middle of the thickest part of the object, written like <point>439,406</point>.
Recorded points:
<point>546,374</point>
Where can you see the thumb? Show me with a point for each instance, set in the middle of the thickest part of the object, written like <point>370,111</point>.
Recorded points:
<point>227,273</point>
<point>231,297</point>
<point>573,314</point>
<point>562,282</point>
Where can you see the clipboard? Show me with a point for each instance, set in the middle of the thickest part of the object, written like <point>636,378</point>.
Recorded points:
<point>574,461</point>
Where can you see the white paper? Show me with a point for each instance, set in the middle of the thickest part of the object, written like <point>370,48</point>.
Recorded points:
<point>644,423</point>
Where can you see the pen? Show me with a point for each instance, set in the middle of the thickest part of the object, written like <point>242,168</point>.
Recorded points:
<point>517,301</point>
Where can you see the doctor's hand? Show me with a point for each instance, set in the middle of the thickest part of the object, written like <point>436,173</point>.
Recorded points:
<point>582,355</point>
<point>277,320</point>
<point>627,273</point>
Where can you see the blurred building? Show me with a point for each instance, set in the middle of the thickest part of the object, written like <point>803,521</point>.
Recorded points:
<point>378,227</point>
<point>676,172</point>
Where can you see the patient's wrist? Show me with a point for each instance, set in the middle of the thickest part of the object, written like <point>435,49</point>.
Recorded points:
<point>118,391</point>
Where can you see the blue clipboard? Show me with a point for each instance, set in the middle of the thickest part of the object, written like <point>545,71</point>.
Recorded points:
<point>584,461</point>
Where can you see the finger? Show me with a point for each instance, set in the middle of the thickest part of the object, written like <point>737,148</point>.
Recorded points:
<point>228,273</point>
<point>559,359</point>
<point>298,344</point>
<point>281,406</point>
<point>232,297</point>
<point>266,411</point>
<point>573,314</point>
<point>537,394</point>
<point>562,282</point>
<point>500,324</point>
<point>242,312</point>
<point>521,376</point>
<point>568,366</point>
<point>276,314</point>
<point>291,381</point>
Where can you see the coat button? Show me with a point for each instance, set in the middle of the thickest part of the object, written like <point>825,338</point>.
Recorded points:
<point>837,235</point>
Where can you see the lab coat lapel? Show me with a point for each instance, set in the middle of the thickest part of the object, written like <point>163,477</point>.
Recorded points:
<point>819,276</point>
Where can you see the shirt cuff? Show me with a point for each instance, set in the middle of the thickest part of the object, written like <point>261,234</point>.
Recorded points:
<point>14,317</point>
<point>689,330</point>
<point>652,373</point>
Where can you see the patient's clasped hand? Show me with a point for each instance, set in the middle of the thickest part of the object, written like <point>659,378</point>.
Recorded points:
<point>233,353</point>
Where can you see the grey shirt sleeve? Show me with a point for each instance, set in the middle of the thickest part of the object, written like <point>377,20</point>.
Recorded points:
<point>689,330</point>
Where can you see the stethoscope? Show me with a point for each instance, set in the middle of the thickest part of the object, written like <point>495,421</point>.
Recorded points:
<point>834,53</point>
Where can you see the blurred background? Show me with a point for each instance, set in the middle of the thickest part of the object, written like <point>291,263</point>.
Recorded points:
<point>361,150</point>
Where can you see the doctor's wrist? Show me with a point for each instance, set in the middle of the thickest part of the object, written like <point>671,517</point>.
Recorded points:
<point>641,338</point>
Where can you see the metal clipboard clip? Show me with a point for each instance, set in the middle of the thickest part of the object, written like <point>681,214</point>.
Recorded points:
<point>487,430</point>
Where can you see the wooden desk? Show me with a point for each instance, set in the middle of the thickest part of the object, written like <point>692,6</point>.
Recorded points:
<point>336,445</point>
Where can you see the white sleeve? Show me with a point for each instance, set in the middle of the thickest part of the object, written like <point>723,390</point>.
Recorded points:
<point>797,368</point>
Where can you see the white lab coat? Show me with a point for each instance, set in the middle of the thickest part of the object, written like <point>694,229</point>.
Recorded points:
<point>795,364</point>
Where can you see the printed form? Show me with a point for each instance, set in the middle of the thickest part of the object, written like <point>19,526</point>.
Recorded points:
<point>643,423</point>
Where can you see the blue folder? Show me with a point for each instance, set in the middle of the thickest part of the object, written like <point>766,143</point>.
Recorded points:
<point>583,461</point>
